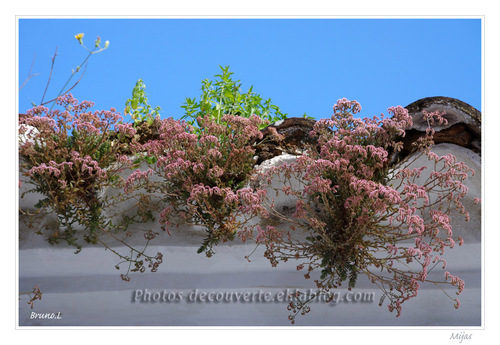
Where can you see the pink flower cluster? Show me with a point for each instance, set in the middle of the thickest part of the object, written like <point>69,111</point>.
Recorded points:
<point>355,204</point>
<point>136,176</point>
<point>52,168</point>
<point>269,234</point>
<point>72,153</point>
<point>203,173</point>
<point>88,165</point>
<point>126,128</point>
<point>456,281</point>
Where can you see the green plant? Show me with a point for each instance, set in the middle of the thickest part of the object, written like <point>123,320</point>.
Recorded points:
<point>223,97</point>
<point>138,106</point>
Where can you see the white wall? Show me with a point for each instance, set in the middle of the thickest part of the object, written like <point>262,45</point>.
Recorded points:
<point>87,290</point>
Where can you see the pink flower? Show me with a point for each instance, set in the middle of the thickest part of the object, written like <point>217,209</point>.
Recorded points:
<point>391,248</point>
<point>136,176</point>
<point>215,172</point>
<point>460,241</point>
<point>126,129</point>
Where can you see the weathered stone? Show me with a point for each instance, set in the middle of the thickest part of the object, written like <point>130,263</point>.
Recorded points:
<point>463,127</point>
<point>295,132</point>
<point>456,111</point>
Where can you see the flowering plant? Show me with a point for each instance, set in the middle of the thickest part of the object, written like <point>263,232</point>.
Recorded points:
<point>364,215</point>
<point>204,163</point>
<point>203,175</point>
<point>71,156</point>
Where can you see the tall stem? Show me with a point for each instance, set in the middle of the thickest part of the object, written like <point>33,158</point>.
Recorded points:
<point>72,74</point>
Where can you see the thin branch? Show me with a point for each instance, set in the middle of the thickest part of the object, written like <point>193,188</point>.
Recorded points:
<point>62,92</point>
<point>68,90</point>
<point>50,75</point>
<point>29,74</point>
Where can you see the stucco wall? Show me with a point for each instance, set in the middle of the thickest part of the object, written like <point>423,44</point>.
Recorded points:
<point>87,290</point>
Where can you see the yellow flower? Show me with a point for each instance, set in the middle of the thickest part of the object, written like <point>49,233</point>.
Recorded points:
<point>79,37</point>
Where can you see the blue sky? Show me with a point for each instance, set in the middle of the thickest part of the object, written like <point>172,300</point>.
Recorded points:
<point>303,65</point>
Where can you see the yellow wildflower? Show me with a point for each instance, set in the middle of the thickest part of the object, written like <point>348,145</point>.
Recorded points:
<point>79,37</point>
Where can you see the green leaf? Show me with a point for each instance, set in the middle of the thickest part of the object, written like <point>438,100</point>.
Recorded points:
<point>42,203</point>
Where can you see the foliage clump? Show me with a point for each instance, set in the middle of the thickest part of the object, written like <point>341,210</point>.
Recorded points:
<point>224,97</point>
<point>364,216</point>
<point>71,156</point>
<point>203,175</point>
<point>205,163</point>
<point>138,106</point>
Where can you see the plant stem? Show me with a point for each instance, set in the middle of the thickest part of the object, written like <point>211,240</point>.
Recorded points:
<point>73,73</point>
